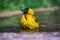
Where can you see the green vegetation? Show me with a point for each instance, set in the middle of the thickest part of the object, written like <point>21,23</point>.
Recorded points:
<point>46,17</point>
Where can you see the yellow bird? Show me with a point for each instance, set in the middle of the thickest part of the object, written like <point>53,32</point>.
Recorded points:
<point>28,19</point>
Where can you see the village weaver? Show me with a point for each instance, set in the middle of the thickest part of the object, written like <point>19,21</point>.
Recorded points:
<point>28,19</point>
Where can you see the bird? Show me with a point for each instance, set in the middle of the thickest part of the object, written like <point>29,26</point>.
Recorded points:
<point>28,19</point>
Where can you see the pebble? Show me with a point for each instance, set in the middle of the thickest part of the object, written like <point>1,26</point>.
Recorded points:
<point>30,36</point>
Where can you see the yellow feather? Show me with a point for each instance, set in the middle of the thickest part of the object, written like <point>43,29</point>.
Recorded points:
<point>29,20</point>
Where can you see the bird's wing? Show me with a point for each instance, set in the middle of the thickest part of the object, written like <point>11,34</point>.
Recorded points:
<point>35,18</point>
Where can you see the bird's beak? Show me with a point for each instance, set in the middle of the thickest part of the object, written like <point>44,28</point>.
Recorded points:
<point>21,10</point>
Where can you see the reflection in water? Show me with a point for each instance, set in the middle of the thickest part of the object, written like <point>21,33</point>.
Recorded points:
<point>29,30</point>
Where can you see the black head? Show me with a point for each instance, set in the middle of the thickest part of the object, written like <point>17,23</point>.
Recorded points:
<point>25,10</point>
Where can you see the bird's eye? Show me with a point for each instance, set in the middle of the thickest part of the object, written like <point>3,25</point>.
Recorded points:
<point>25,11</point>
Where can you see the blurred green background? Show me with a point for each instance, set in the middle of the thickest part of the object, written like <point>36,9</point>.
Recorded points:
<point>43,17</point>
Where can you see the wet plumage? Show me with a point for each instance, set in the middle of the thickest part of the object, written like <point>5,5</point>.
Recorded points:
<point>28,19</point>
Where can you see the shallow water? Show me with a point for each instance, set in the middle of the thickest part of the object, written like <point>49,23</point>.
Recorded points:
<point>43,27</point>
